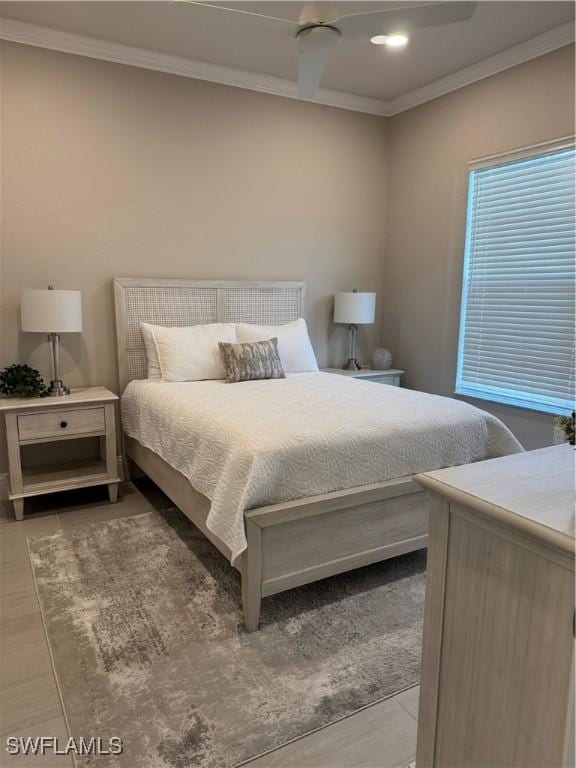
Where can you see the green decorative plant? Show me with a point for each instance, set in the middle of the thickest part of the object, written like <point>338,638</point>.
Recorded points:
<point>567,425</point>
<point>21,381</point>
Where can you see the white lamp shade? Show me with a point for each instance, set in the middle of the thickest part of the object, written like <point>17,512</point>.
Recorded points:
<point>49,311</point>
<point>354,308</point>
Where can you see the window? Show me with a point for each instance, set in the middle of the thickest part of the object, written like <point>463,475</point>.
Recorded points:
<point>517,320</point>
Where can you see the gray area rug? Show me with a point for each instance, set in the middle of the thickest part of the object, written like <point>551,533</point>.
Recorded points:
<point>145,626</point>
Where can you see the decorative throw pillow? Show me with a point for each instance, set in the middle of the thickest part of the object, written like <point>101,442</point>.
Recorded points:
<point>190,353</point>
<point>294,346</point>
<point>254,360</point>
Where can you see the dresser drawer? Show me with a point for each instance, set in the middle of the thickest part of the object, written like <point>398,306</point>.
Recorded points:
<point>60,424</point>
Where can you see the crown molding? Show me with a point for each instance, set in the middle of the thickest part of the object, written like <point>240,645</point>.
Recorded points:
<point>547,42</point>
<point>94,48</point>
<point>91,47</point>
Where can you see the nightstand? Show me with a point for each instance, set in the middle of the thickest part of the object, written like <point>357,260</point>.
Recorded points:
<point>391,376</point>
<point>85,412</point>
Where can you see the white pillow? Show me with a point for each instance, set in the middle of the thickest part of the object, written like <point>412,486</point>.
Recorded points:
<point>294,346</point>
<point>154,370</point>
<point>190,353</point>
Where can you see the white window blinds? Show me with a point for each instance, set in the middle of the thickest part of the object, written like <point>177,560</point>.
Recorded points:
<point>517,319</point>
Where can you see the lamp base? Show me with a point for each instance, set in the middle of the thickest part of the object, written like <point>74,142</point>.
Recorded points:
<point>351,365</point>
<point>58,389</point>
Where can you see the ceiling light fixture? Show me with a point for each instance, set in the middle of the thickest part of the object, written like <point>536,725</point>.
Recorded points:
<point>393,41</point>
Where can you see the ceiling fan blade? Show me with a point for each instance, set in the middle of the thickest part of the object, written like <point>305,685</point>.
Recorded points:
<point>314,45</point>
<point>219,7</point>
<point>310,68</point>
<point>362,26</point>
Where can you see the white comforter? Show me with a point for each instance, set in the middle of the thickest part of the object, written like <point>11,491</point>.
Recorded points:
<point>260,442</point>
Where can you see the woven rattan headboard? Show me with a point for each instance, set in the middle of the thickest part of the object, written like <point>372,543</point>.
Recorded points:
<point>193,302</point>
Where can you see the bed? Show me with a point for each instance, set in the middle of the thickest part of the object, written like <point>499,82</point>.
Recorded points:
<point>294,479</point>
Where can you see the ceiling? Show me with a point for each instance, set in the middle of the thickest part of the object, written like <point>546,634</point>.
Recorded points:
<point>243,42</point>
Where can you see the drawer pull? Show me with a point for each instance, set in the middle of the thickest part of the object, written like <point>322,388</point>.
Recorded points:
<point>63,424</point>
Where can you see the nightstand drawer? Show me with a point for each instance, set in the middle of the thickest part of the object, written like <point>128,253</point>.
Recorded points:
<point>393,381</point>
<point>60,424</point>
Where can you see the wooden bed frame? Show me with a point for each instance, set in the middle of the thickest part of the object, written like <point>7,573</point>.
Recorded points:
<point>289,544</point>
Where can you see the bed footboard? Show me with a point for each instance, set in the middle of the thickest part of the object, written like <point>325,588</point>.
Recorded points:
<point>302,541</point>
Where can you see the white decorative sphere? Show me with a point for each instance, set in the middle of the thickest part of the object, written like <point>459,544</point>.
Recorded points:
<point>381,359</point>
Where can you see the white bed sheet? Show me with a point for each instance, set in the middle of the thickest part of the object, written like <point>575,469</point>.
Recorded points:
<point>255,443</point>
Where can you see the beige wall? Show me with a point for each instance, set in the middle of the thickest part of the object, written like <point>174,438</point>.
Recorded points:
<point>111,170</point>
<point>429,148</point>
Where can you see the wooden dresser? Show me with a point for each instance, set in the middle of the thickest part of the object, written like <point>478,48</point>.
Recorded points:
<point>497,685</point>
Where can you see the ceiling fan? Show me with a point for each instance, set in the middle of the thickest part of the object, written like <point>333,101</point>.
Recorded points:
<point>320,28</point>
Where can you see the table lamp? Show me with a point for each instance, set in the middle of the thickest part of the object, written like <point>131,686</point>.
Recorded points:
<point>354,309</point>
<point>52,312</point>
